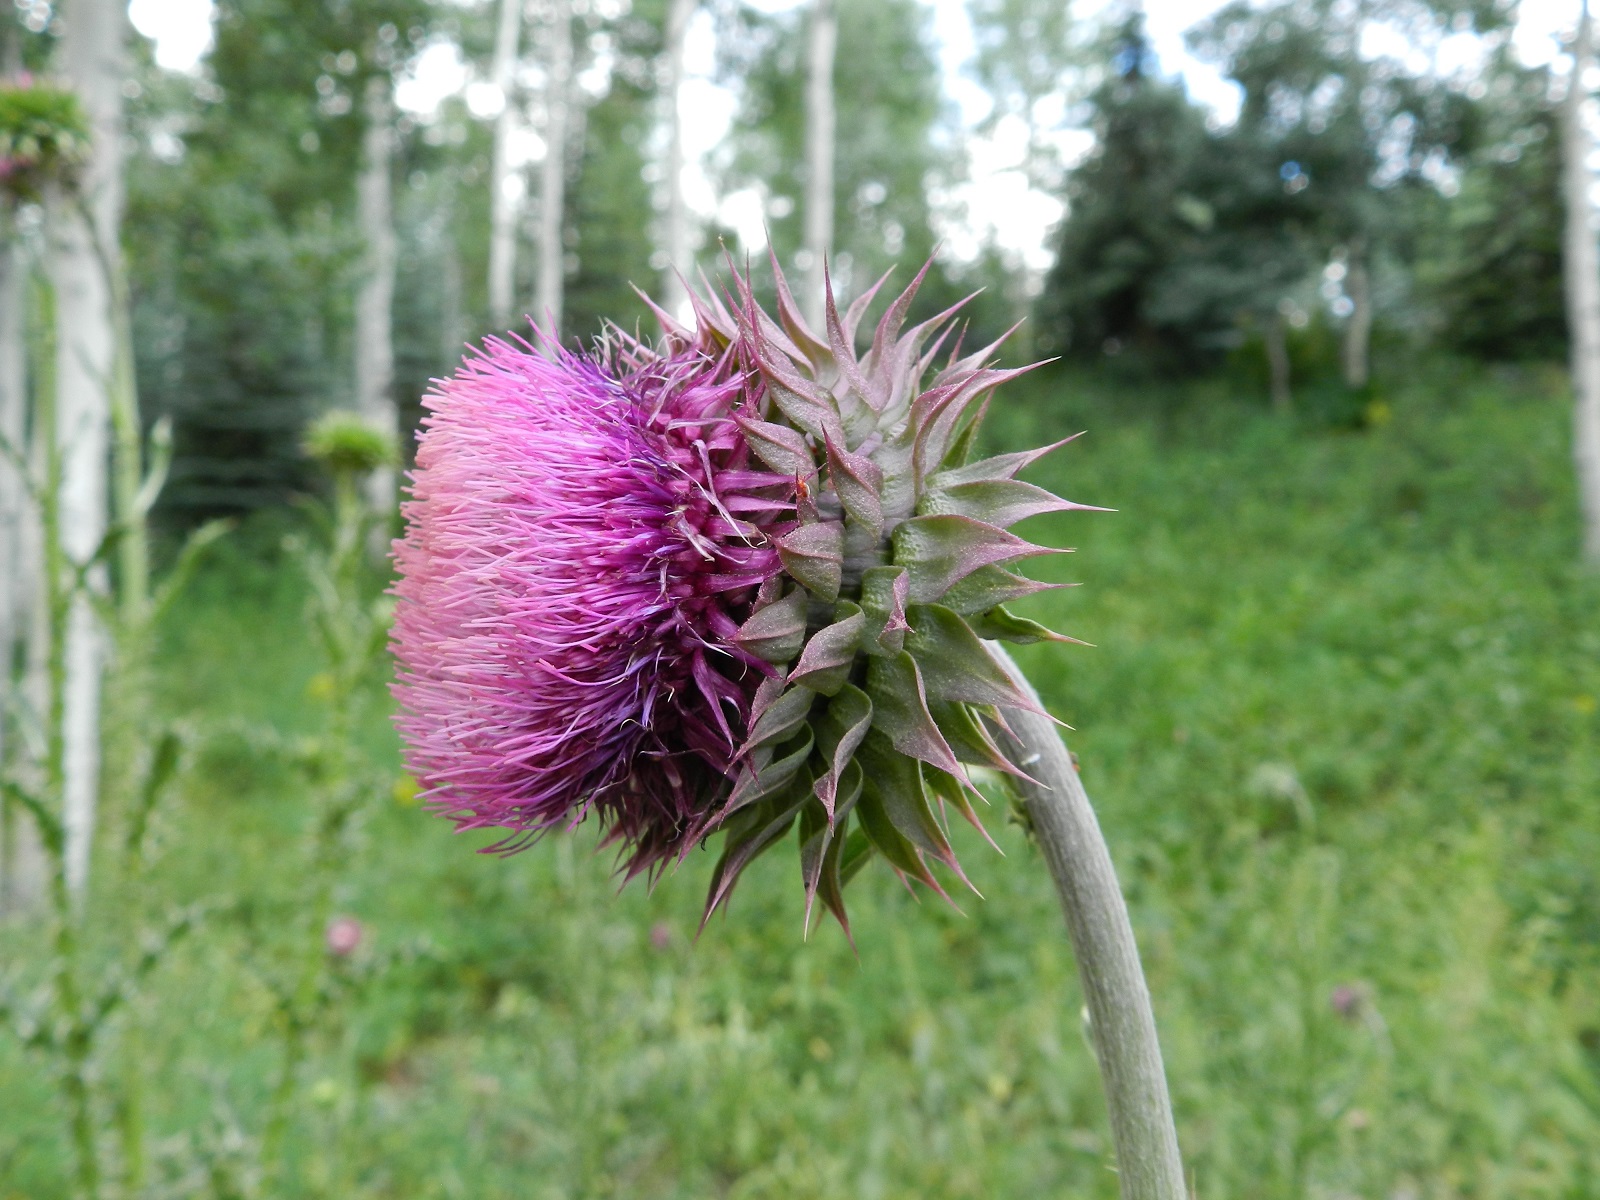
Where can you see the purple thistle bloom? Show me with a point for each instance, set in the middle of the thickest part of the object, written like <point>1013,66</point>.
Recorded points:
<point>737,583</point>
<point>586,535</point>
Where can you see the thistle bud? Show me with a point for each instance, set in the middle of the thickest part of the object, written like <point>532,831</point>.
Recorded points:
<point>346,443</point>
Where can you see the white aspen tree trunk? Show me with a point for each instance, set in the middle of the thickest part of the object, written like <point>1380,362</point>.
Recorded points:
<point>91,58</point>
<point>14,429</point>
<point>16,576</point>
<point>679,251</point>
<point>1356,349</point>
<point>553,171</point>
<point>505,191</point>
<point>452,324</point>
<point>819,154</point>
<point>375,301</point>
<point>21,858</point>
<point>1581,268</point>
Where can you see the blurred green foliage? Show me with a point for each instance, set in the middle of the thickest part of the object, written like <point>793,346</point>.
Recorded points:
<point>1186,232</point>
<point>1342,724</point>
<point>610,198</point>
<point>1184,237</point>
<point>1491,257</point>
<point>242,237</point>
<point>894,154</point>
<point>1172,238</point>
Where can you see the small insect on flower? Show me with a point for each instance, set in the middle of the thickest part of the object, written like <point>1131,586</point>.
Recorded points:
<point>735,582</point>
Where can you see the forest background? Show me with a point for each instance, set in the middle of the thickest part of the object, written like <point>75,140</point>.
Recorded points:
<point>1342,720</point>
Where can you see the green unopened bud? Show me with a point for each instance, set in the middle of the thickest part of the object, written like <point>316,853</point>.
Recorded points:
<point>346,443</point>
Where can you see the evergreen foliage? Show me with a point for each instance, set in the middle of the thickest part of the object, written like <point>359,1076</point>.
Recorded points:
<point>1182,237</point>
<point>1176,233</point>
<point>1132,204</point>
<point>1492,254</point>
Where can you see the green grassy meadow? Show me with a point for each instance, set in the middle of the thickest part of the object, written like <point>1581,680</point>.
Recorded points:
<point>1341,719</point>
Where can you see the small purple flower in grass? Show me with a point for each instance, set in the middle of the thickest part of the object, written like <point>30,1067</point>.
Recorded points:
<point>1347,1000</point>
<point>343,936</point>
<point>581,551</point>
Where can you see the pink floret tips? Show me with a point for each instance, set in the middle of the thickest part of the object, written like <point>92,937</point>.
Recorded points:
<point>583,540</point>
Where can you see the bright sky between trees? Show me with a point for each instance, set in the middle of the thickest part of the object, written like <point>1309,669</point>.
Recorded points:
<point>994,205</point>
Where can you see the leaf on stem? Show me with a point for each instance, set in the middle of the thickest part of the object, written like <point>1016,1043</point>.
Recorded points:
<point>51,831</point>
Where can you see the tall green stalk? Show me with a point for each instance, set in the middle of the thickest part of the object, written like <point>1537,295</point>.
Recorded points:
<point>79,1005</point>
<point>136,481</point>
<point>351,632</point>
<point>131,498</point>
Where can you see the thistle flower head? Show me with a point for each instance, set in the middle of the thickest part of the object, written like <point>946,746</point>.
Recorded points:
<point>580,552</point>
<point>44,135</point>
<point>736,583</point>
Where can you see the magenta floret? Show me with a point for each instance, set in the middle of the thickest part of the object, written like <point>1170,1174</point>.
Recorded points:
<point>584,539</point>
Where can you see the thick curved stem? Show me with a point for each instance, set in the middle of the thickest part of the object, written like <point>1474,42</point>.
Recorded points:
<point>1120,1017</point>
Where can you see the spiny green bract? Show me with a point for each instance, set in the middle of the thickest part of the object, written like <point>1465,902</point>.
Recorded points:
<point>883,693</point>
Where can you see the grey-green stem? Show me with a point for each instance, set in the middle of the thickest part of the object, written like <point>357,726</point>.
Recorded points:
<point>1122,1023</point>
